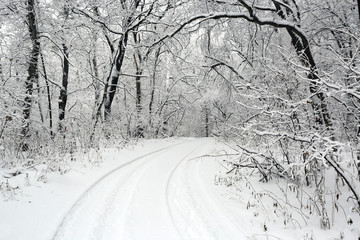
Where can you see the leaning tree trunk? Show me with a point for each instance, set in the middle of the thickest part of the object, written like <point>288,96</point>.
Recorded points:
<point>302,47</point>
<point>33,75</point>
<point>48,94</point>
<point>118,63</point>
<point>115,76</point>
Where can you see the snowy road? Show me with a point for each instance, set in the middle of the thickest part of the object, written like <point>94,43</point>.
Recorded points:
<point>154,190</point>
<point>158,196</point>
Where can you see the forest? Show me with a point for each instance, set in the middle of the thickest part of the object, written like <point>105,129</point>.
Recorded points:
<point>278,81</point>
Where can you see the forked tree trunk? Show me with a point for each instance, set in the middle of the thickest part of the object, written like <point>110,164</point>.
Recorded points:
<point>114,79</point>
<point>115,74</point>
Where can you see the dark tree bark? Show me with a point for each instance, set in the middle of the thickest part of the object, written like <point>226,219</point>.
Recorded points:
<point>65,75</point>
<point>1,71</point>
<point>138,83</point>
<point>115,76</point>
<point>302,47</point>
<point>33,75</point>
<point>138,66</point>
<point>118,64</point>
<point>39,102</point>
<point>206,122</point>
<point>63,91</point>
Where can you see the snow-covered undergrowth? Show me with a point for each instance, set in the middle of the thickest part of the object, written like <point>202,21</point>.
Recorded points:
<point>35,195</point>
<point>283,208</point>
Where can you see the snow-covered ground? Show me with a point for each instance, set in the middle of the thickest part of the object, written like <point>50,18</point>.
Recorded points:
<point>158,189</point>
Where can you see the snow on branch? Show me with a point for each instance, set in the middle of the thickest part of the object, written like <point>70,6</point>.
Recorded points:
<point>277,23</point>
<point>79,11</point>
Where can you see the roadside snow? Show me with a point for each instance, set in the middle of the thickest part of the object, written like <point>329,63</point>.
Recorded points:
<point>34,208</point>
<point>158,189</point>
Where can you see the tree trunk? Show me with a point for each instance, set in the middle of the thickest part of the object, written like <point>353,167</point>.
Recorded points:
<point>39,102</point>
<point>95,67</point>
<point>206,122</point>
<point>302,47</point>
<point>96,81</point>
<point>65,76</point>
<point>152,83</point>
<point>48,97</point>
<point>1,72</point>
<point>139,127</point>
<point>33,75</point>
<point>138,89</point>
<point>63,90</point>
<point>115,76</point>
<point>118,63</point>
<point>138,66</point>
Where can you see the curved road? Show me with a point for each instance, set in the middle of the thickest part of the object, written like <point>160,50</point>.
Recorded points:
<point>158,196</point>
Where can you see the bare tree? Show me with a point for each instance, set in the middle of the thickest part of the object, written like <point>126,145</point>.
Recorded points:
<point>120,54</point>
<point>65,73</point>
<point>33,75</point>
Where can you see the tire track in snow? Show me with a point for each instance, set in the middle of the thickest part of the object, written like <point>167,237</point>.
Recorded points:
<point>72,211</point>
<point>190,211</point>
<point>199,204</point>
<point>168,191</point>
<point>149,216</point>
<point>111,206</point>
<point>210,207</point>
<point>116,228</point>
